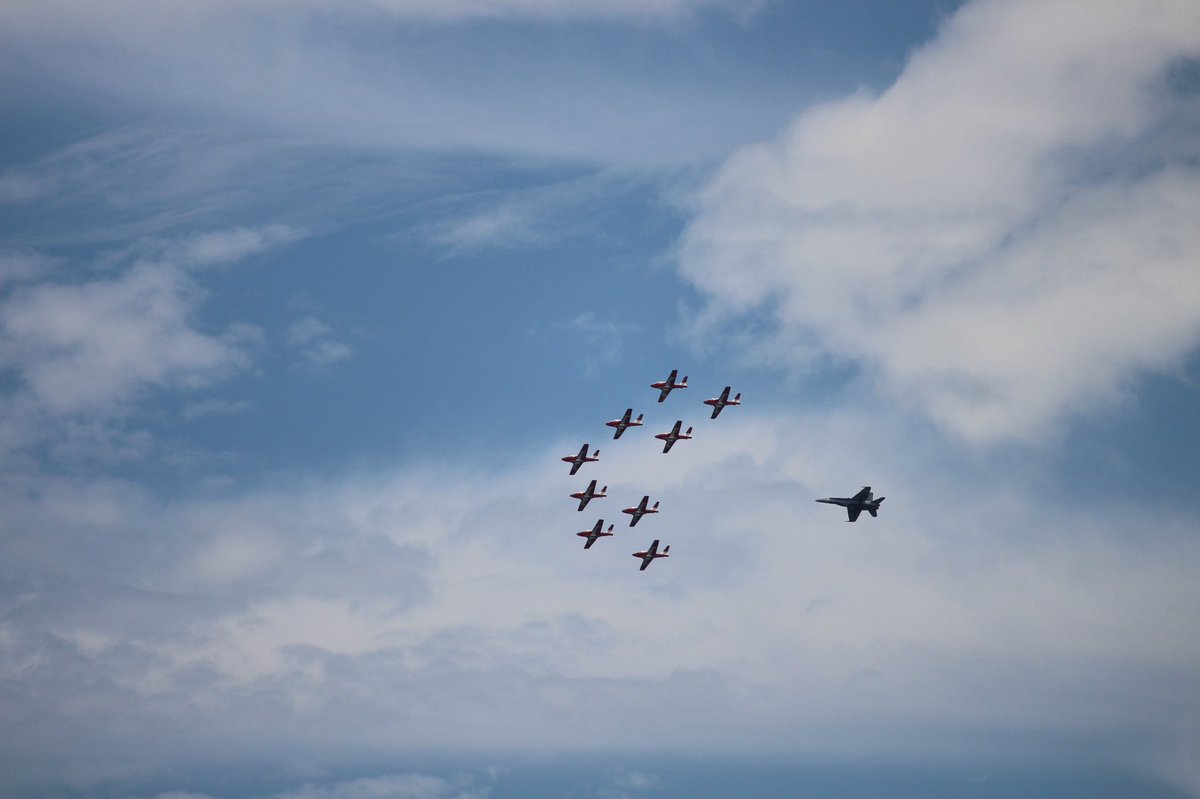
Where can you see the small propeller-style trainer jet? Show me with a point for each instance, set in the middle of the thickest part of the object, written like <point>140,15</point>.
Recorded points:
<point>588,494</point>
<point>673,436</point>
<point>862,501</point>
<point>594,533</point>
<point>624,422</point>
<point>578,460</point>
<point>665,386</point>
<point>650,554</point>
<point>718,403</point>
<point>640,511</point>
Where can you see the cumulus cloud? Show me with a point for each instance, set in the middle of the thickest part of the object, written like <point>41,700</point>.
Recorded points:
<point>1004,236</point>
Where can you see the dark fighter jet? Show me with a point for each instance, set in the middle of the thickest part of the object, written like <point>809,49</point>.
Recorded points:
<point>862,501</point>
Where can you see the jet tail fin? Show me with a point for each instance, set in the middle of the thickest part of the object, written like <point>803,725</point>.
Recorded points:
<point>689,432</point>
<point>656,506</point>
<point>737,397</point>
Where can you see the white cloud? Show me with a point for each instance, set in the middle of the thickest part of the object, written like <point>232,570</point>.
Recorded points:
<point>20,267</point>
<point>392,786</point>
<point>316,75</point>
<point>84,346</point>
<point>225,246</point>
<point>1003,237</point>
<point>311,337</point>
<point>94,345</point>
<point>194,410</point>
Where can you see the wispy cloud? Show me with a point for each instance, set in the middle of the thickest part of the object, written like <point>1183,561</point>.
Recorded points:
<point>396,786</point>
<point>210,407</point>
<point>1000,239</point>
<point>86,346</point>
<point>311,338</point>
<point>302,71</point>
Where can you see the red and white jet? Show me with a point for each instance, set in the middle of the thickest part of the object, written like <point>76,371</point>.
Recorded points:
<point>640,511</point>
<point>588,494</point>
<point>624,422</point>
<point>578,460</point>
<point>650,554</point>
<point>594,533</point>
<point>719,403</point>
<point>665,386</point>
<point>673,436</point>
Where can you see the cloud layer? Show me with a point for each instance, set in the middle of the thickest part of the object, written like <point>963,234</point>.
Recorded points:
<point>456,610</point>
<point>1002,237</point>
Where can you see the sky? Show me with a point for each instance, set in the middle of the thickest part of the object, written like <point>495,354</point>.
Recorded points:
<point>301,303</point>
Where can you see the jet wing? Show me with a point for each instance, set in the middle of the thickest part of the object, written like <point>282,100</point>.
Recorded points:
<point>667,444</point>
<point>863,495</point>
<point>662,394</point>
<point>591,540</point>
<point>853,513</point>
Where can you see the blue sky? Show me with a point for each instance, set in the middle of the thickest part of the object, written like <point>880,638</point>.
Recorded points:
<point>300,305</point>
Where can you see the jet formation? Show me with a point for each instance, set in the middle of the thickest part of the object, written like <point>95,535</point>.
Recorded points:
<point>669,438</point>
<point>864,500</point>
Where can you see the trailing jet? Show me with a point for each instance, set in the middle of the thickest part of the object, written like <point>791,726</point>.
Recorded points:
<point>718,403</point>
<point>650,554</point>
<point>673,436</point>
<point>578,460</point>
<point>588,494</point>
<point>624,422</point>
<point>594,533</point>
<point>640,511</point>
<point>862,501</point>
<point>665,386</point>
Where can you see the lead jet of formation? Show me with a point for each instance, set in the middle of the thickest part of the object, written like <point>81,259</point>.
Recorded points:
<point>862,501</point>
<point>588,494</point>
<point>578,460</point>
<point>595,533</point>
<point>666,386</point>
<point>718,403</point>
<point>640,510</point>
<point>624,422</point>
<point>650,554</point>
<point>673,436</point>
